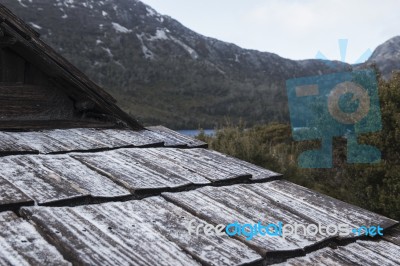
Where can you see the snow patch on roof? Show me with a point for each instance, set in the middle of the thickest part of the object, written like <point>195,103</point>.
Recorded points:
<point>119,28</point>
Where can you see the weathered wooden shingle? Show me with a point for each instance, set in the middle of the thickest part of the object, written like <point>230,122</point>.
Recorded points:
<point>154,159</point>
<point>157,168</point>
<point>102,235</point>
<point>36,141</point>
<point>226,205</point>
<point>172,222</point>
<point>219,159</point>
<point>11,196</point>
<point>49,179</point>
<point>113,138</point>
<point>21,244</point>
<point>81,139</point>
<point>324,256</point>
<point>376,253</point>
<point>251,203</point>
<point>40,184</point>
<point>88,139</point>
<point>292,196</point>
<point>155,229</point>
<point>172,138</point>
<point>10,145</point>
<point>79,175</point>
<point>130,173</point>
<point>202,164</point>
<point>393,235</point>
<point>383,248</point>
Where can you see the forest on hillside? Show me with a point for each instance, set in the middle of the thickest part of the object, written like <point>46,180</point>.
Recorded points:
<point>375,187</point>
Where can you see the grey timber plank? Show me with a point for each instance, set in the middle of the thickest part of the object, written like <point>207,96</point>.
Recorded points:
<point>362,252</point>
<point>258,173</point>
<point>128,173</point>
<point>99,137</point>
<point>21,244</point>
<point>80,176</point>
<point>296,206</point>
<point>97,235</point>
<point>37,182</point>
<point>393,235</point>
<point>259,208</point>
<point>114,138</point>
<point>324,204</point>
<point>156,160</point>
<point>76,139</point>
<point>9,144</point>
<point>170,178</point>
<point>12,196</point>
<point>383,248</point>
<point>38,141</point>
<point>359,255</point>
<point>172,221</point>
<point>219,159</point>
<point>172,138</point>
<point>72,140</point>
<point>201,165</point>
<point>326,257</point>
<point>216,211</point>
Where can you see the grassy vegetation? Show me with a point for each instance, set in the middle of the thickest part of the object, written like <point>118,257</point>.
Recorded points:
<point>375,187</point>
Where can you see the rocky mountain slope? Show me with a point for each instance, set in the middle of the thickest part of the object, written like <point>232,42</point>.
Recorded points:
<point>387,57</point>
<point>162,72</point>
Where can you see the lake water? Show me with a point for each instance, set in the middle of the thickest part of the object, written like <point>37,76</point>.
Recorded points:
<point>195,132</point>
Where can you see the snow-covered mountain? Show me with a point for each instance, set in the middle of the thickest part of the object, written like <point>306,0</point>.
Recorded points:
<point>161,71</point>
<point>387,56</point>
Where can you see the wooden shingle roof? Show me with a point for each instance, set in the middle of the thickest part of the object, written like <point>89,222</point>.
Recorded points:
<point>126,197</point>
<point>83,191</point>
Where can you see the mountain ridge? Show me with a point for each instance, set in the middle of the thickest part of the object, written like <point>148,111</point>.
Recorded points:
<point>162,72</point>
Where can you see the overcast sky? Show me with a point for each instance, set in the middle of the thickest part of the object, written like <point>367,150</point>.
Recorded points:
<point>295,29</point>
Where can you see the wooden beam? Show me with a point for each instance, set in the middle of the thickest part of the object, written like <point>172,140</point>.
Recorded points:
<point>6,41</point>
<point>24,125</point>
<point>18,24</point>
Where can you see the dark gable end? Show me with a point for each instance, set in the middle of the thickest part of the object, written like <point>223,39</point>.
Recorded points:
<point>40,89</point>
